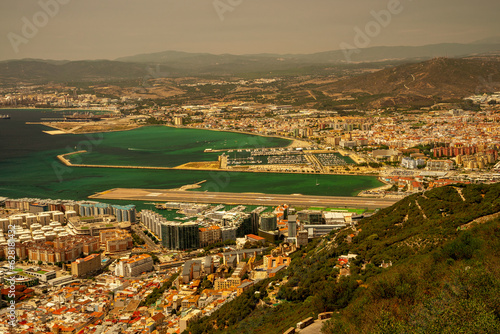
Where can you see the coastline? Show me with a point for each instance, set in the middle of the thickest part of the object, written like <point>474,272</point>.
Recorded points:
<point>292,144</point>
<point>66,132</point>
<point>293,141</point>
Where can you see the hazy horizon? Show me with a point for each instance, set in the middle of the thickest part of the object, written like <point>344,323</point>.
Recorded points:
<point>110,29</point>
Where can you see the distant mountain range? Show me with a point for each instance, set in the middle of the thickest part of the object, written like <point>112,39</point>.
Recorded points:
<point>176,63</point>
<point>373,54</point>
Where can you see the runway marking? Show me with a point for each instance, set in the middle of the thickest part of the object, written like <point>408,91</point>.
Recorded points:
<point>243,199</point>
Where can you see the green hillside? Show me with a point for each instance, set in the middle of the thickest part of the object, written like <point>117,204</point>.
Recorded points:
<point>443,278</point>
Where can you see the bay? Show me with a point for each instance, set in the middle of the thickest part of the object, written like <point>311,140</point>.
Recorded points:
<point>29,167</point>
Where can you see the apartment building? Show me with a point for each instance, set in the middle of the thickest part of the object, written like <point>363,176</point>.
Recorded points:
<point>82,267</point>
<point>134,266</point>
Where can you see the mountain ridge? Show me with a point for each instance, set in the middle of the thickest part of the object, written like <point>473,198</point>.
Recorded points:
<point>377,53</point>
<point>423,83</point>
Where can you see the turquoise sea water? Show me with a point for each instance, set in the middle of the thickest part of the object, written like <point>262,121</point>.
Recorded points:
<point>167,147</point>
<point>29,167</point>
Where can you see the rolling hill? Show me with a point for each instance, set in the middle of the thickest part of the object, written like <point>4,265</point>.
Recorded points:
<point>41,71</point>
<point>424,83</point>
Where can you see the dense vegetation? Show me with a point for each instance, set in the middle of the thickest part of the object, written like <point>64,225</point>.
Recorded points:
<point>137,239</point>
<point>443,277</point>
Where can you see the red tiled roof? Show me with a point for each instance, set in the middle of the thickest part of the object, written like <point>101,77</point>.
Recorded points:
<point>256,237</point>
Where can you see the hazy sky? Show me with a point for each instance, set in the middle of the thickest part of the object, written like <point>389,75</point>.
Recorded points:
<point>108,29</point>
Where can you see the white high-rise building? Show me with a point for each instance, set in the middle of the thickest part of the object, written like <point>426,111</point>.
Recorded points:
<point>134,266</point>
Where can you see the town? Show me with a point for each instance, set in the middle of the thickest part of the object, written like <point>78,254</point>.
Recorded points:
<point>101,268</point>
<point>410,150</point>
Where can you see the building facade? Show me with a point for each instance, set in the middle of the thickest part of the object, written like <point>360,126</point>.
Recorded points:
<point>62,249</point>
<point>116,240</point>
<point>134,266</point>
<point>210,235</point>
<point>180,236</point>
<point>82,267</point>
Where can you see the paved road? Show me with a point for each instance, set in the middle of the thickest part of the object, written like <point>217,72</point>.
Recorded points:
<point>159,195</point>
<point>138,229</point>
<point>315,328</point>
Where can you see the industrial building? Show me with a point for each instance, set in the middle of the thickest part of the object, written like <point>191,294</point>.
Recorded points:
<point>310,217</point>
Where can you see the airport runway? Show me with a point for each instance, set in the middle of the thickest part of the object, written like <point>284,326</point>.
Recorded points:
<point>165,195</point>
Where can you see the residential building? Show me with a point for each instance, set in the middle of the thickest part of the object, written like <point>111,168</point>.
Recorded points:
<point>134,266</point>
<point>180,236</point>
<point>62,249</point>
<point>116,240</point>
<point>210,235</point>
<point>82,267</point>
